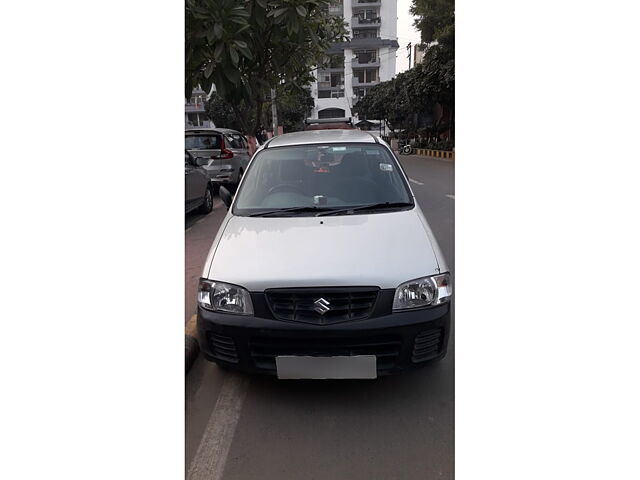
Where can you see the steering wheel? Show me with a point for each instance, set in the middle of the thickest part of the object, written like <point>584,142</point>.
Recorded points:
<point>286,187</point>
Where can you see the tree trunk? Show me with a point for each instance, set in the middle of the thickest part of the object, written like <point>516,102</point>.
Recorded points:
<point>259,103</point>
<point>240,116</point>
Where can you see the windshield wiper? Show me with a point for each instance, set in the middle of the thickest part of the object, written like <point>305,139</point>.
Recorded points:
<point>285,210</point>
<point>371,206</point>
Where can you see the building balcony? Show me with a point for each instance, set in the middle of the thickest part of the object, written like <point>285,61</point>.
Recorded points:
<point>358,83</point>
<point>331,69</point>
<point>331,93</point>
<point>366,3</point>
<point>356,63</point>
<point>194,108</point>
<point>363,43</point>
<point>329,86</point>
<point>357,22</point>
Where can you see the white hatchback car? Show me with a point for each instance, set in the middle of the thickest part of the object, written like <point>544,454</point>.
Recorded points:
<point>325,266</point>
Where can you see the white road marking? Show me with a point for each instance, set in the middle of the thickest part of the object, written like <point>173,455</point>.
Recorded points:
<point>451,197</point>
<point>210,459</point>
<point>415,181</point>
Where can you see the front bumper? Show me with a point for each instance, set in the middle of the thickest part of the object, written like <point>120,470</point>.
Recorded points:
<point>400,341</point>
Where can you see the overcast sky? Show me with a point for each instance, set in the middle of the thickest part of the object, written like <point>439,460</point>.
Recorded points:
<point>406,34</point>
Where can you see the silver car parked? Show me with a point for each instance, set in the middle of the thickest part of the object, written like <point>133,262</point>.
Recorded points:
<point>222,152</point>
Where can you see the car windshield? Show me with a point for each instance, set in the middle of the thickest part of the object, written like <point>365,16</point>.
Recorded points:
<point>194,142</point>
<point>303,180</point>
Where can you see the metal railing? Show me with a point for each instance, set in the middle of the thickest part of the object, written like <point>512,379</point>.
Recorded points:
<point>371,62</point>
<point>358,83</point>
<point>328,86</point>
<point>365,22</point>
<point>338,93</point>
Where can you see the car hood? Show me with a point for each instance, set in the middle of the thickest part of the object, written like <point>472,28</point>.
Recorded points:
<point>382,249</point>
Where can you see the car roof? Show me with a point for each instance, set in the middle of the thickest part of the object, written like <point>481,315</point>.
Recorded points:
<point>322,136</point>
<point>211,130</point>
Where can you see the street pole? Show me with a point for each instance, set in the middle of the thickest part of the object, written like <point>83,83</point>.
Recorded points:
<point>274,112</point>
<point>409,56</point>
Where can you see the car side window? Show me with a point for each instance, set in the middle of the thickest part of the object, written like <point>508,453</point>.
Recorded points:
<point>202,141</point>
<point>233,141</point>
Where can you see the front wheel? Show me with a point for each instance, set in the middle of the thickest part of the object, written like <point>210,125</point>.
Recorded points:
<point>207,202</point>
<point>406,149</point>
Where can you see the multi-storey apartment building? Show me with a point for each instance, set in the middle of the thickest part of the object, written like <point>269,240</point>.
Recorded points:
<point>367,59</point>
<point>195,114</point>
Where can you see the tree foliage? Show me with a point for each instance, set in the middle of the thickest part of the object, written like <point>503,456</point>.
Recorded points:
<point>293,104</point>
<point>434,19</point>
<point>400,100</point>
<point>247,47</point>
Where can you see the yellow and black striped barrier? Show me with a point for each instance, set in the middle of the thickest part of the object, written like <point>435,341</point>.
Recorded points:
<point>444,154</point>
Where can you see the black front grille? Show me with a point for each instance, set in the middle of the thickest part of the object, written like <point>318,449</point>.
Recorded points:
<point>341,304</point>
<point>427,345</point>
<point>223,347</point>
<point>264,350</point>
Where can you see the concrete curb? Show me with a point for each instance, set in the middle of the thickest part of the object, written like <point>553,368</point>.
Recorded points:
<point>191,346</point>
<point>191,351</point>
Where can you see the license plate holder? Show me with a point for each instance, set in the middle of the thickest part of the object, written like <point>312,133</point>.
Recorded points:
<point>337,367</point>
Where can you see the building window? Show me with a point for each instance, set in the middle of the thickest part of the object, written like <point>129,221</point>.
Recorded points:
<point>366,75</point>
<point>367,16</point>
<point>364,33</point>
<point>365,56</point>
<point>360,92</point>
<point>335,7</point>
<point>331,113</point>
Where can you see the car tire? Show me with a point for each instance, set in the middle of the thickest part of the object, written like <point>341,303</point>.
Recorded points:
<point>207,202</point>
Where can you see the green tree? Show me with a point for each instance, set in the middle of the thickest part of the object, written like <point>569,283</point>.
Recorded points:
<point>436,21</point>
<point>222,113</point>
<point>247,47</point>
<point>293,104</point>
<point>398,101</point>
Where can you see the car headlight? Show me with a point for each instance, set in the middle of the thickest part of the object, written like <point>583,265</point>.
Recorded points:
<point>224,297</point>
<point>423,292</point>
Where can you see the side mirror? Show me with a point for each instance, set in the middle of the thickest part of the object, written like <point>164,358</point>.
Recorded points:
<point>225,196</point>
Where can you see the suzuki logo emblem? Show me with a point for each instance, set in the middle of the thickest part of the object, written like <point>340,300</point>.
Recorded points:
<point>321,306</point>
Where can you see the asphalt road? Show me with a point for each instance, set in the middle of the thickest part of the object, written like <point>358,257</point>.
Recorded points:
<point>398,427</point>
